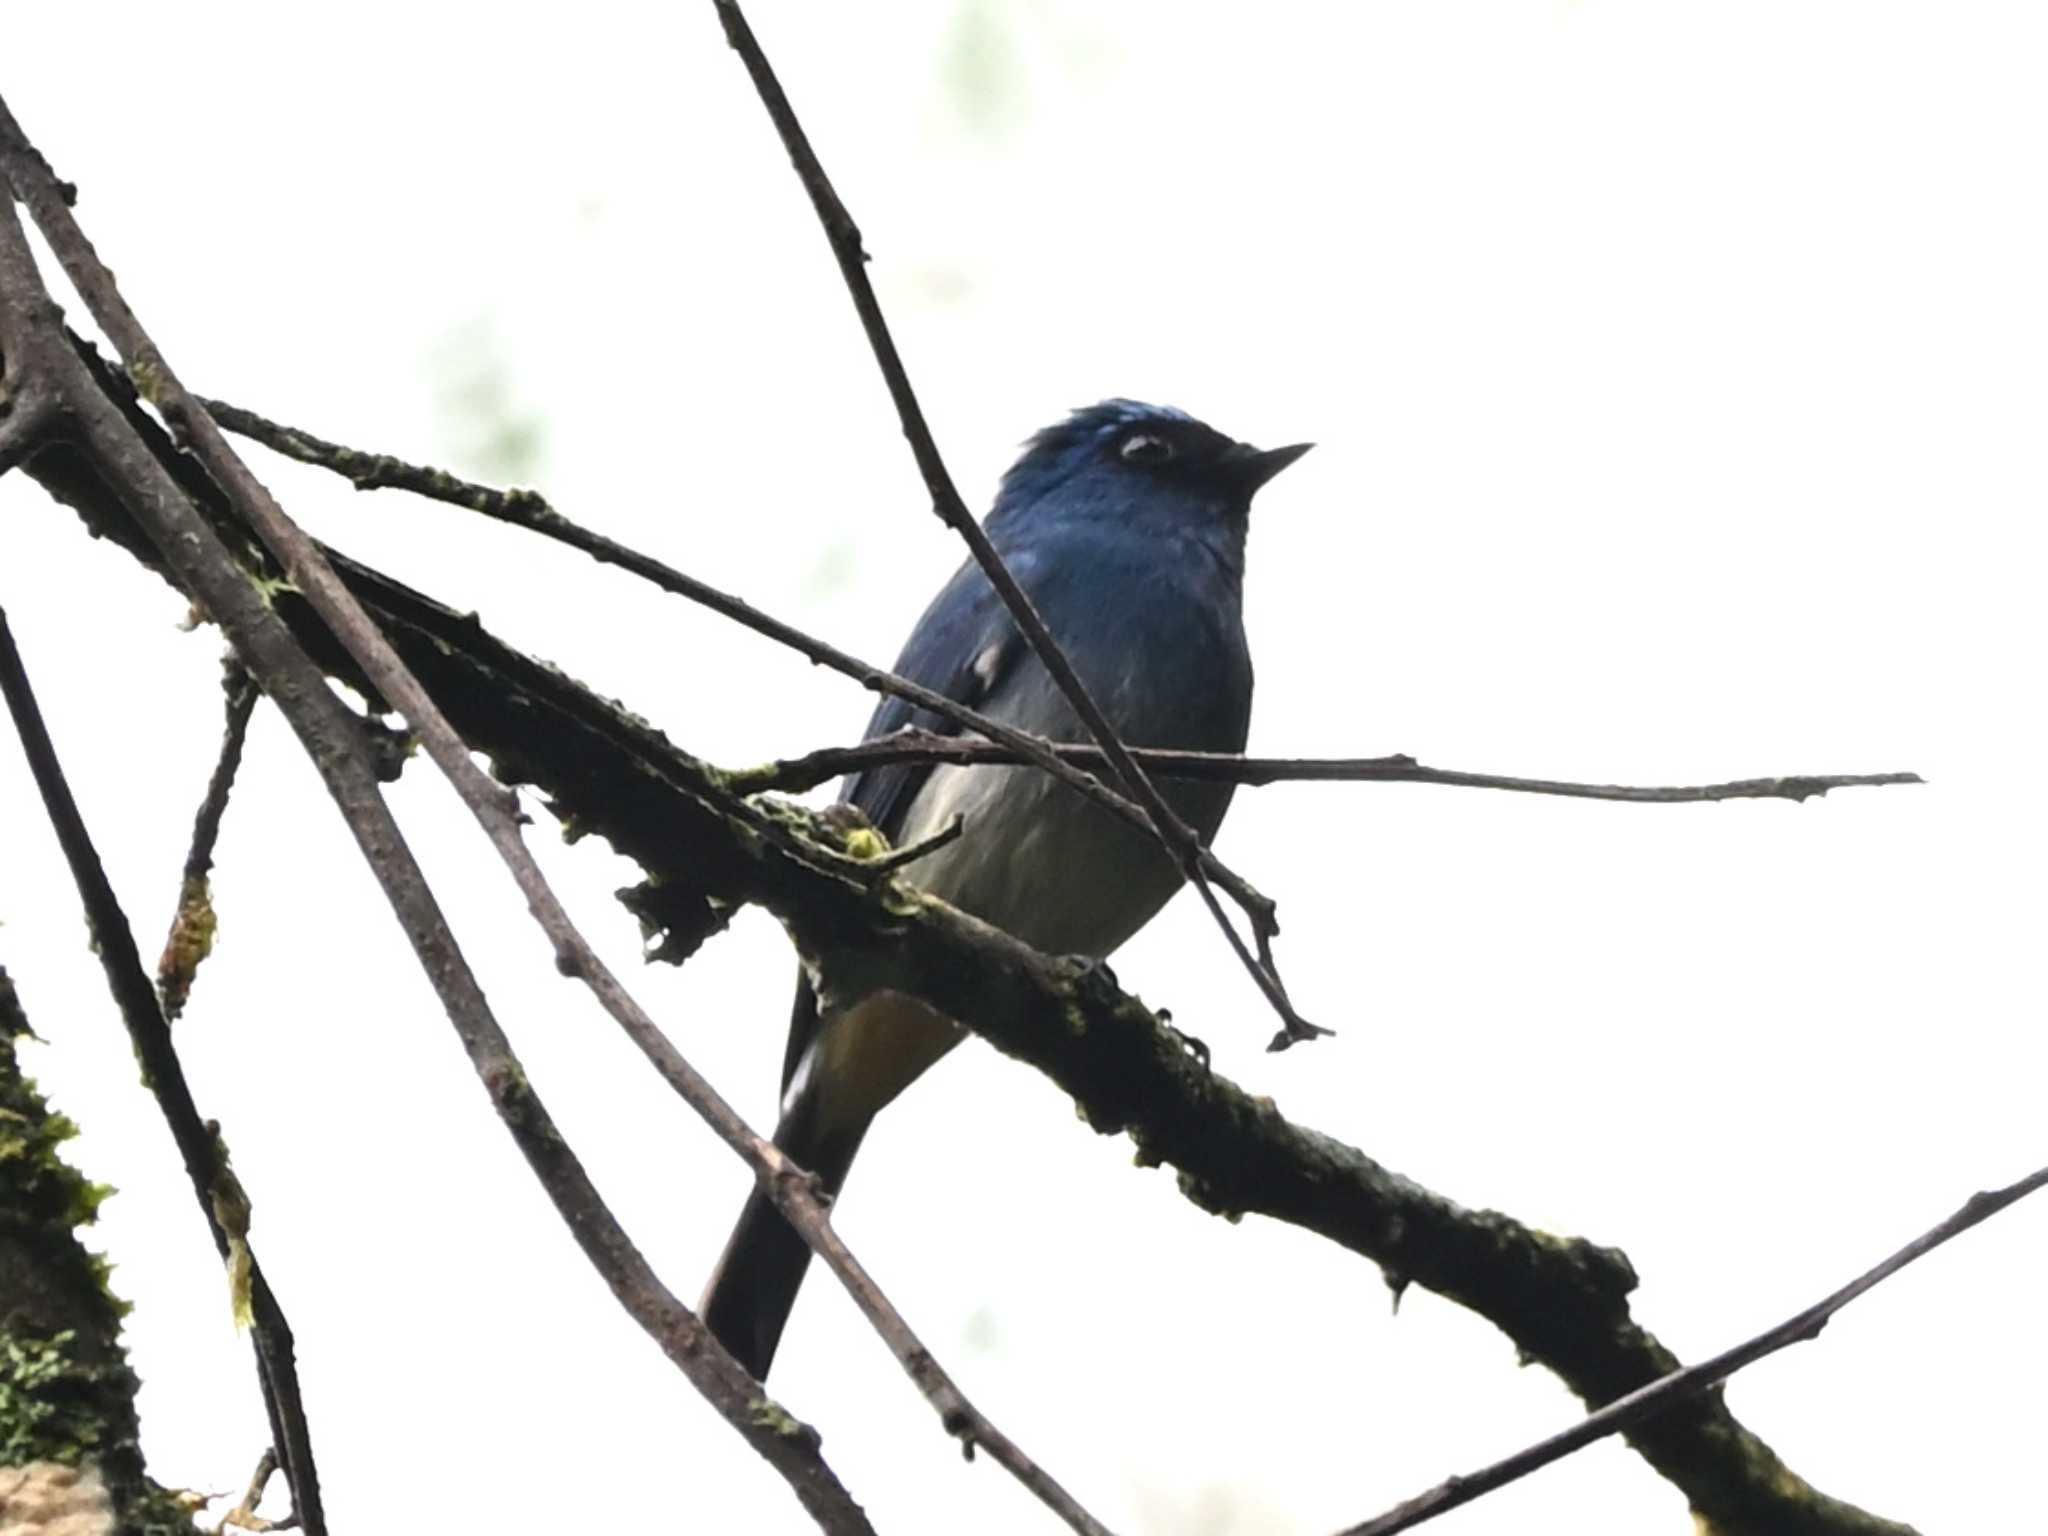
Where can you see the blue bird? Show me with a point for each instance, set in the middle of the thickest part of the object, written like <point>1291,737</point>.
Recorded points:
<point>1125,524</point>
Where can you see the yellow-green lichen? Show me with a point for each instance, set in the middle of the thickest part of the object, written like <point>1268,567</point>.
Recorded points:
<point>865,843</point>
<point>766,1413</point>
<point>150,378</point>
<point>271,586</point>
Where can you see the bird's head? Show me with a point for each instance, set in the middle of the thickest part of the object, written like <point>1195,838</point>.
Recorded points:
<point>1150,468</point>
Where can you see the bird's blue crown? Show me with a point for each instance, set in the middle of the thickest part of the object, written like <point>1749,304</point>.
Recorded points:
<point>1090,439</point>
<point>1105,419</point>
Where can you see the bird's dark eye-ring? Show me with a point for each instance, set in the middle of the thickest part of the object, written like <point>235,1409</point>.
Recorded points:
<point>1145,448</point>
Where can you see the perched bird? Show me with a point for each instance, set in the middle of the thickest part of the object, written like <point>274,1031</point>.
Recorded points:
<point>1125,524</point>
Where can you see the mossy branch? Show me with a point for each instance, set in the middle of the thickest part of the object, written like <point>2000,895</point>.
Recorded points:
<point>69,1443</point>
<point>708,849</point>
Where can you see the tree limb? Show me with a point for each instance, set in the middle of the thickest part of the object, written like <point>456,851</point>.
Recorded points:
<point>495,808</point>
<point>707,849</point>
<point>106,450</point>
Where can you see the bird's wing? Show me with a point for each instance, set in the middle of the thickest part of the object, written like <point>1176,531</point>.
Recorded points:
<point>964,647</point>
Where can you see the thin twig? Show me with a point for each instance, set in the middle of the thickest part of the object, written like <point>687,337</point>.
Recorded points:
<point>913,745</point>
<point>32,335</point>
<point>496,810</point>
<point>192,928</point>
<point>368,470</point>
<point>243,1516</point>
<point>1693,1379</point>
<point>1175,836</point>
<point>197,1141</point>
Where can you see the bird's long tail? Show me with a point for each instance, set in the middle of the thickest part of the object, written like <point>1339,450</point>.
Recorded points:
<point>752,1290</point>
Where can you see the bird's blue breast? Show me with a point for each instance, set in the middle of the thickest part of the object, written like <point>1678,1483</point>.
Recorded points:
<point>1155,629</point>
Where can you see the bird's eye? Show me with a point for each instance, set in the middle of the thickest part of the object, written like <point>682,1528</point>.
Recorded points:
<point>1145,448</point>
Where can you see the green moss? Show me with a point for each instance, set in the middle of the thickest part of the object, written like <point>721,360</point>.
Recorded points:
<point>270,587</point>
<point>865,843</point>
<point>47,1410</point>
<point>146,373</point>
<point>67,1394</point>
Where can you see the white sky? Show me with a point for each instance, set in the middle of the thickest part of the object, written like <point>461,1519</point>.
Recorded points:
<point>1678,375</point>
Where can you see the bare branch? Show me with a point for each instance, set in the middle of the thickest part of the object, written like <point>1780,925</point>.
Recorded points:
<point>1175,835</point>
<point>187,545</point>
<point>795,774</point>
<point>1693,1379</point>
<point>198,1142</point>
<point>496,810</point>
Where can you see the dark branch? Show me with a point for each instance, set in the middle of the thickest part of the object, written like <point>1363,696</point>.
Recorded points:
<point>198,1143</point>
<point>795,774</point>
<point>495,808</point>
<point>1175,835</point>
<point>1640,1404</point>
<point>122,455</point>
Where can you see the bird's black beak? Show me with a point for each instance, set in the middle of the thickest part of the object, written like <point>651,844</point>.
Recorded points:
<point>1253,467</point>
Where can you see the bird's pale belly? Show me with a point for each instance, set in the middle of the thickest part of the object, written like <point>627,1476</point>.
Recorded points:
<point>1073,879</point>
